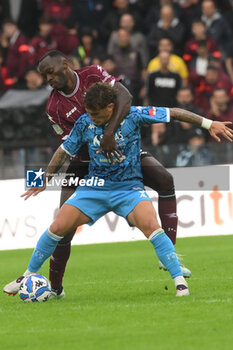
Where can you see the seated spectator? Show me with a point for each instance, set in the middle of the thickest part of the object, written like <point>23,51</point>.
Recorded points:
<point>88,48</point>
<point>217,27</point>
<point>91,12</point>
<point>176,63</point>
<point>153,12</point>
<point>128,64</point>
<point>18,52</point>
<point>196,153</point>
<point>109,65</point>
<point>34,79</point>
<point>112,19</point>
<point>24,13</point>
<point>199,33</point>
<point>69,38</point>
<point>137,39</point>
<point>221,107</point>
<point>167,26</point>
<point>162,85</point>
<point>213,79</point>
<point>44,41</point>
<point>199,63</point>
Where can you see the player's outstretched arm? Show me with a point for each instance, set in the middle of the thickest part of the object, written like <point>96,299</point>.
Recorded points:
<point>121,109</point>
<point>55,164</point>
<point>215,129</point>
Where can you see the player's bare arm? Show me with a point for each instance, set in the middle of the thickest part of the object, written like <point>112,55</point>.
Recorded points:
<point>215,128</point>
<point>55,164</point>
<point>121,109</point>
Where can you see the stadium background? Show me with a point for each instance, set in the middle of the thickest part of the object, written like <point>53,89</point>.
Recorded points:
<point>87,31</point>
<point>90,32</point>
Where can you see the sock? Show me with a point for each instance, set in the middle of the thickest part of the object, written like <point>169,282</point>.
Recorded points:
<point>167,213</point>
<point>44,248</point>
<point>166,252</point>
<point>57,265</point>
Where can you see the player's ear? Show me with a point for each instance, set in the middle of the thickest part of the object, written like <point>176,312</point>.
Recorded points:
<point>65,64</point>
<point>110,106</point>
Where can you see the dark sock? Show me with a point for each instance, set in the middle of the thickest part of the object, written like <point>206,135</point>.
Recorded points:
<point>167,213</point>
<point>57,265</point>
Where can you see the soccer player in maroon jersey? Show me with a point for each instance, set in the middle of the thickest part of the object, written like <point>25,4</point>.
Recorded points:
<point>64,107</point>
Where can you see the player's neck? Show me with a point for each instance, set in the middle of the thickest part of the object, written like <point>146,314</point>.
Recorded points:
<point>71,83</point>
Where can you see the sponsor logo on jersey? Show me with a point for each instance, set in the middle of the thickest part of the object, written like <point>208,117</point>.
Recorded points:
<point>71,112</point>
<point>57,129</point>
<point>152,111</point>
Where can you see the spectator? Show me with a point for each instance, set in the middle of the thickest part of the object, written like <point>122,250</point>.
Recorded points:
<point>33,79</point>
<point>44,41</point>
<point>137,39</point>
<point>196,153</point>
<point>88,48</point>
<point>24,13</point>
<point>109,65</point>
<point>69,40</point>
<point>199,33</point>
<point>128,64</point>
<point>198,65</point>
<point>221,107</point>
<point>18,51</point>
<point>112,20</point>
<point>153,14</point>
<point>91,12</point>
<point>167,26</point>
<point>213,79</point>
<point>176,63</point>
<point>217,27</point>
<point>162,85</point>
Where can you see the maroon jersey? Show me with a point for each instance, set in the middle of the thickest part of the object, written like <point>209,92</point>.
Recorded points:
<point>63,110</point>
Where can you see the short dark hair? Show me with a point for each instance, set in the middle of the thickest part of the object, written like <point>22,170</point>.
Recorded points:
<point>99,95</point>
<point>53,53</point>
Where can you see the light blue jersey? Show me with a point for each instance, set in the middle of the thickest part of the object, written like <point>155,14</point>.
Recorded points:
<point>128,139</point>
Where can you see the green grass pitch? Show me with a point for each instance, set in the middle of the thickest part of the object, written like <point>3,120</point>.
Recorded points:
<point>117,300</point>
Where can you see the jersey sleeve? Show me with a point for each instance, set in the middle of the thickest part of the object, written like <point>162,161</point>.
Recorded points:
<point>151,115</point>
<point>75,140</point>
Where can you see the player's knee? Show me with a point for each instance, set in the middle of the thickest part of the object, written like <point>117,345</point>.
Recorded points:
<point>149,226</point>
<point>58,228</point>
<point>166,181</point>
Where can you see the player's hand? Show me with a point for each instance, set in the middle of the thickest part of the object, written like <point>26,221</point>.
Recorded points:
<point>221,129</point>
<point>109,147</point>
<point>32,192</point>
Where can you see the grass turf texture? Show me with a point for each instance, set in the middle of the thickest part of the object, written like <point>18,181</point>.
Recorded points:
<point>116,299</point>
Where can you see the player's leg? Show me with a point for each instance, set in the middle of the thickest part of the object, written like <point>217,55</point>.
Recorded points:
<point>143,216</point>
<point>68,218</point>
<point>60,256</point>
<point>159,179</point>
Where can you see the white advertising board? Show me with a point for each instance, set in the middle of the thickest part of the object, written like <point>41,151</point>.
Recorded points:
<point>201,213</point>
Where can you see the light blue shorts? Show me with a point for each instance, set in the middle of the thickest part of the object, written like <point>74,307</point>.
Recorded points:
<point>119,197</point>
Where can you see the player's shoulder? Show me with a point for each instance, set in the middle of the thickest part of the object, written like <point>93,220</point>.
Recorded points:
<point>83,120</point>
<point>93,69</point>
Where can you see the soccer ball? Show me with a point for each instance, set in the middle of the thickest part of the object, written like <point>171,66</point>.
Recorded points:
<point>34,288</point>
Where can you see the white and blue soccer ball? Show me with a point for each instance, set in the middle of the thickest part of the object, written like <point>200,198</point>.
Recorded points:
<point>34,288</point>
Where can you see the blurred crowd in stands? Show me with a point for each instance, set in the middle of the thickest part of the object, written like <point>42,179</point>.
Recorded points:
<point>174,53</point>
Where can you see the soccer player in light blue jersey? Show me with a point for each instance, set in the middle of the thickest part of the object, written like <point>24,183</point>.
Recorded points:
<point>116,187</point>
